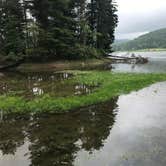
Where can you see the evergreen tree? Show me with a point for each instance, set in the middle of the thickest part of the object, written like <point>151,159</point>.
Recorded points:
<point>106,23</point>
<point>102,20</point>
<point>12,28</point>
<point>59,29</point>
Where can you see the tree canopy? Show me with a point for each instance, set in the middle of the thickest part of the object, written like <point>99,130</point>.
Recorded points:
<point>58,29</point>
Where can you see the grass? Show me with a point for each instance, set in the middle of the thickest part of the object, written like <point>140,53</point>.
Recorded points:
<point>111,85</point>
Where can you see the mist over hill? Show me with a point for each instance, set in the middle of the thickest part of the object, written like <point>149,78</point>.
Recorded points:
<point>153,40</point>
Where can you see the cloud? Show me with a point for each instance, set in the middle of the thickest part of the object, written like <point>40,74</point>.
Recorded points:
<point>141,16</point>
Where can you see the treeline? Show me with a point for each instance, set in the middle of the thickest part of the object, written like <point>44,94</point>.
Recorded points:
<point>152,40</point>
<point>59,29</point>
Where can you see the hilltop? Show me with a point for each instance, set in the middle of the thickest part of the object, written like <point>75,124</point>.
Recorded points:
<point>153,40</point>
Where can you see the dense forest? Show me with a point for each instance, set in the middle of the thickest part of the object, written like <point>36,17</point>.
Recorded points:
<point>155,39</point>
<point>56,29</point>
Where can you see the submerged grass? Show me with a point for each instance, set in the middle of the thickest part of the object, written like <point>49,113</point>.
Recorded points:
<point>110,85</point>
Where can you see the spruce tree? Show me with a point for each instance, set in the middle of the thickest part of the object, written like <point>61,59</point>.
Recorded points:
<point>59,29</point>
<point>106,23</point>
<point>12,28</point>
<point>103,20</point>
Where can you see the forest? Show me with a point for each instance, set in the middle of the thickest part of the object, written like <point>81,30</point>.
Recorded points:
<point>67,98</point>
<point>152,40</point>
<point>56,29</point>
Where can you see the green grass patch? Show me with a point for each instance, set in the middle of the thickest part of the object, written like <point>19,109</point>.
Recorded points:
<point>110,85</point>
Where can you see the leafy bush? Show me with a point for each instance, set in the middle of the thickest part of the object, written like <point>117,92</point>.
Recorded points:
<point>84,52</point>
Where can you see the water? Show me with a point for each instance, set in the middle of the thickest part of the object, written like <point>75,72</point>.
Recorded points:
<point>156,64</point>
<point>30,85</point>
<point>129,130</point>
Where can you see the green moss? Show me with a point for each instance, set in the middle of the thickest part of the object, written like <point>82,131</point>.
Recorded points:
<point>110,85</point>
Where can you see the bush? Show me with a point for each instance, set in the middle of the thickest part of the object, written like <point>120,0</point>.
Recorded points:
<point>37,54</point>
<point>11,56</point>
<point>14,57</point>
<point>74,52</point>
<point>84,52</point>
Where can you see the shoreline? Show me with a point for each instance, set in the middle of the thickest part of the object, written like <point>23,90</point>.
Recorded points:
<point>143,50</point>
<point>111,85</point>
<point>61,65</point>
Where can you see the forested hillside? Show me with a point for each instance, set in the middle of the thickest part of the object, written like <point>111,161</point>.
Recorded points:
<point>155,39</point>
<point>58,29</point>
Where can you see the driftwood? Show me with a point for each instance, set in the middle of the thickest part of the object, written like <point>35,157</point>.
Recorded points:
<point>133,59</point>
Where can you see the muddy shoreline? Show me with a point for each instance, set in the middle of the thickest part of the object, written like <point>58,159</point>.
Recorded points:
<point>90,64</point>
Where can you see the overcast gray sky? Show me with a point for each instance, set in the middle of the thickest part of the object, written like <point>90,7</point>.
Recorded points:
<point>137,17</point>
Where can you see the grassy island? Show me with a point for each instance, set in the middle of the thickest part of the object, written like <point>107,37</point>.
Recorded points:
<point>108,85</point>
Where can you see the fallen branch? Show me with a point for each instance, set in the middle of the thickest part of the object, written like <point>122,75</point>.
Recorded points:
<point>136,60</point>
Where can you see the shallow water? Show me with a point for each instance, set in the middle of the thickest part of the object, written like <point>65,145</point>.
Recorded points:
<point>35,84</point>
<point>129,130</point>
<point>156,64</point>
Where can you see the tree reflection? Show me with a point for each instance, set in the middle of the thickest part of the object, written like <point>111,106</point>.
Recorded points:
<point>31,85</point>
<point>12,134</point>
<point>56,139</point>
<point>97,125</point>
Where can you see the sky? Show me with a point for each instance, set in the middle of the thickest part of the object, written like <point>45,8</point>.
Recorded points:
<point>137,17</point>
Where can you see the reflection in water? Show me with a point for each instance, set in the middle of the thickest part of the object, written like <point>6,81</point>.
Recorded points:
<point>126,131</point>
<point>156,64</point>
<point>55,139</point>
<point>82,89</point>
<point>37,91</point>
<point>35,84</point>
<point>138,135</point>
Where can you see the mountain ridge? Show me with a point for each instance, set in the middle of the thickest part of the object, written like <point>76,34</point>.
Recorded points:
<point>152,40</point>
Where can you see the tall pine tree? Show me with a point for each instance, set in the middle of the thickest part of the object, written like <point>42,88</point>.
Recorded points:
<point>12,39</point>
<point>102,20</point>
<point>59,29</point>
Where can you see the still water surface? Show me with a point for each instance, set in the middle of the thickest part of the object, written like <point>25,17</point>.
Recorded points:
<point>30,85</point>
<point>129,130</point>
<point>156,64</point>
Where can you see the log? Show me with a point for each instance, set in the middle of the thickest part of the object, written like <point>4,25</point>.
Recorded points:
<point>136,60</point>
<point>122,57</point>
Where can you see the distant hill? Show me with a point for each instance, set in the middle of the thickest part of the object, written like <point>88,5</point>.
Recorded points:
<point>120,41</point>
<point>155,39</point>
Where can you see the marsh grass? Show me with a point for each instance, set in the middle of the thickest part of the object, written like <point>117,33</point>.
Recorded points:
<point>109,85</point>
